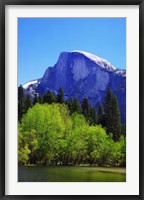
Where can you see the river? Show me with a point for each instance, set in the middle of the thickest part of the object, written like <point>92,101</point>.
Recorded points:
<point>70,174</point>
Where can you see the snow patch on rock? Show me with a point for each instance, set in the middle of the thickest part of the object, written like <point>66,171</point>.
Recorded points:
<point>121,73</point>
<point>34,82</point>
<point>99,61</point>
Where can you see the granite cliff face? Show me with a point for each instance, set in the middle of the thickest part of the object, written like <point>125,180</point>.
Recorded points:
<point>81,74</point>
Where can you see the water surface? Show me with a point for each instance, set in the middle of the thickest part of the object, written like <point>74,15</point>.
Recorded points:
<point>70,174</point>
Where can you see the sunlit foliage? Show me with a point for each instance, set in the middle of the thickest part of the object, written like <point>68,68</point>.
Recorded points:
<point>50,135</point>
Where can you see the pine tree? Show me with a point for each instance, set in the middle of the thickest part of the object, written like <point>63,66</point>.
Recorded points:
<point>60,96</point>
<point>116,126</point>
<point>123,129</point>
<point>40,100</point>
<point>35,100</point>
<point>85,108</point>
<point>101,116</point>
<point>112,115</point>
<point>28,102</point>
<point>69,103</point>
<point>49,97</point>
<point>108,110</point>
<point>21,102</point>
<point>92,116</point>
<point>75,106</point>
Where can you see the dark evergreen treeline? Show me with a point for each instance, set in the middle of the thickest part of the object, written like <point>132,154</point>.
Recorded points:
<point>107,114</point>
<point>53,130</point>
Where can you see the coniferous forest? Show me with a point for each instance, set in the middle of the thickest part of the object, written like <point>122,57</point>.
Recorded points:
<point>53,130</point>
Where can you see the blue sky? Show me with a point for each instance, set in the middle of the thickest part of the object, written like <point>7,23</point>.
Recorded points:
<point>40,41</point>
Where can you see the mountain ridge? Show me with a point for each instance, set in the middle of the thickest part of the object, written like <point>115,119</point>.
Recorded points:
<point>82,74</point>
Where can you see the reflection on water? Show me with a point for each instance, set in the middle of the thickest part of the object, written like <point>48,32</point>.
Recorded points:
<point>71,174</point>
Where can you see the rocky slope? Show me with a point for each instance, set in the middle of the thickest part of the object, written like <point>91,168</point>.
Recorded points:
<point>82,74</point>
